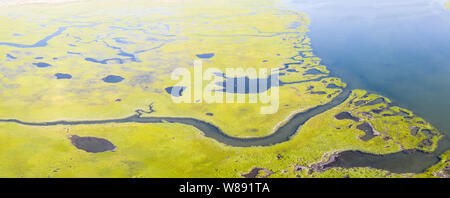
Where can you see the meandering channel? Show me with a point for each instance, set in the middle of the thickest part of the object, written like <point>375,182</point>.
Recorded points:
<point>392,162</point>
<point>396,162</point>
<point>282,134</point>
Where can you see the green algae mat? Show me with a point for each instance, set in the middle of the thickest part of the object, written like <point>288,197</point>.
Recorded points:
<point>91,89</point>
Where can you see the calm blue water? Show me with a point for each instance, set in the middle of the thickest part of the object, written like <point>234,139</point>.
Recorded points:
<point>400,49</point>
<point>63,76</point>
<point>41,64</point>
<point>113,79</point>
<point>208,55</point>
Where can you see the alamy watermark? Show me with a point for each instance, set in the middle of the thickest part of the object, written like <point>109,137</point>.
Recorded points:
<point>234,85</point>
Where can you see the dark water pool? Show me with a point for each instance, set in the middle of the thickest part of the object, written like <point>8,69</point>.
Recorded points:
<point>41,64</point>
<point>401,162</point>
<point>175,91</point>
<point>63,76</point>
<point>207,55</point>
<point>113,79</point>
<point>92,144</point>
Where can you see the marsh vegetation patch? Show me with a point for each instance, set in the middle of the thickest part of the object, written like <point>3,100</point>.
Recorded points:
<point>414,130</point>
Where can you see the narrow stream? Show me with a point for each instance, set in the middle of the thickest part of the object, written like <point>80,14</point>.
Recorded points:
<point>282,134</point>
